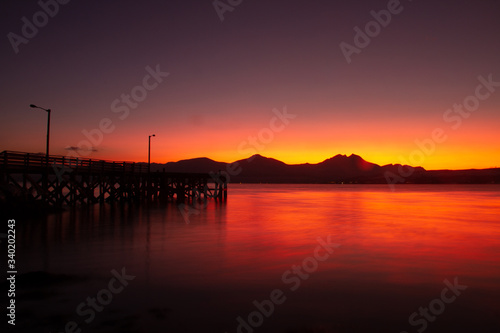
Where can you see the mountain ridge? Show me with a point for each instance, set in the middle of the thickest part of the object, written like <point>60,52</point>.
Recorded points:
<point>337,169</point>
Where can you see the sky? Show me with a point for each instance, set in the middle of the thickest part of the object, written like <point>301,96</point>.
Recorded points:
<point>414,82</point>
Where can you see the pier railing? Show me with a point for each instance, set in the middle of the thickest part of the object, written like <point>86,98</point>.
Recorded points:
<point>60,180</point>
<point>21,160</point>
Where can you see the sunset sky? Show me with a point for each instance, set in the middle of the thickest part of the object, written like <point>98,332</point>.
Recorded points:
<point>228,79</point>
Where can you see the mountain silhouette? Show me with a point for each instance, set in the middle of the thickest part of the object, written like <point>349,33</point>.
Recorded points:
<point>337,169</point>
<point>195,165</point>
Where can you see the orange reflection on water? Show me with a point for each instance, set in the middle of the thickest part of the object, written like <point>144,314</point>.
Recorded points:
<point>396,249</point>
<point>416,234</point>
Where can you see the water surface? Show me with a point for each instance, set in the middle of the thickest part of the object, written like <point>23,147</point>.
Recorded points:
<point>198,268</point>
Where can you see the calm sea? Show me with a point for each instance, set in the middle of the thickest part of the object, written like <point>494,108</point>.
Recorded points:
<point>273,258</point>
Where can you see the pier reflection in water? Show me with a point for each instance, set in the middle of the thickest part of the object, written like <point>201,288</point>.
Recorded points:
<point>200,267</point>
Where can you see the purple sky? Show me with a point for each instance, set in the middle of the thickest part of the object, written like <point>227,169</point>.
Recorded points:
<point>226,77</point>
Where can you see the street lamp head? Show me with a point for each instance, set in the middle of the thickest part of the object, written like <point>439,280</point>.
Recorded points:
<point>37,107</point>
<point>153,135</point>
<point>48,130</point>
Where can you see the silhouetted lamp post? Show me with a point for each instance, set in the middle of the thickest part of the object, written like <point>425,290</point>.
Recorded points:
<point>48,130</point>
<point>149,152</point>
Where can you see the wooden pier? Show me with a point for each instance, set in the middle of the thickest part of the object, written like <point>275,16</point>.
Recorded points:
<point>59,181</point>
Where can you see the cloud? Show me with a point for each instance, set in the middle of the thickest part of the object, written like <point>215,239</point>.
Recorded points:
<point>75,148</point>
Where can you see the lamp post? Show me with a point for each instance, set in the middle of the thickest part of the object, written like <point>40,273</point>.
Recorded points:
<point>48,131</point>
<point>149,152</point>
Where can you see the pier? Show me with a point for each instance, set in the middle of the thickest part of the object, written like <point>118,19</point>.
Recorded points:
<point>59,181</point>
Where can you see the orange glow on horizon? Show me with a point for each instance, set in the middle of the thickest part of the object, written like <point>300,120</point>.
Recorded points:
<point>303,140</point>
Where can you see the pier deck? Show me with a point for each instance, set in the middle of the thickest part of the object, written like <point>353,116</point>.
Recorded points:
<point>61,180</point>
